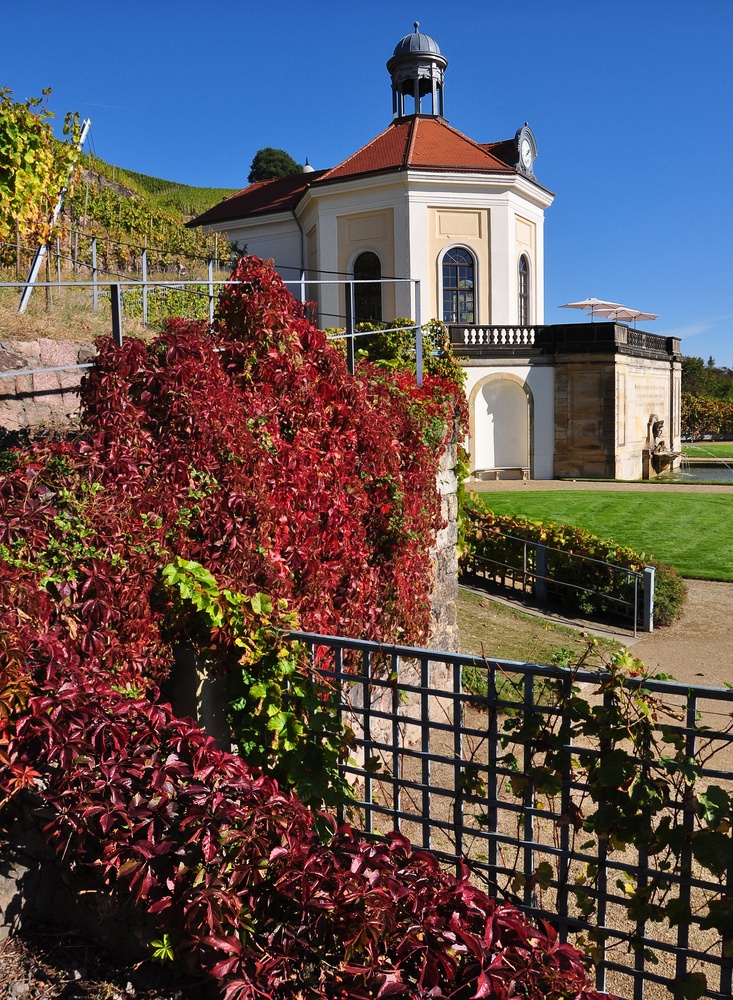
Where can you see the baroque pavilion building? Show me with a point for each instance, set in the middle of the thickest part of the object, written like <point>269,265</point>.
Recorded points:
<point>424,202</point>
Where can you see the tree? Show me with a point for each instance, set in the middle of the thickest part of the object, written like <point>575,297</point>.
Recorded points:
<point>270,163</point>
<point>34,165</point>
<point>700,379</point>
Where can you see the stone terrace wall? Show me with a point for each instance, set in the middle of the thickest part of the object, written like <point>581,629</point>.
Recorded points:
<point>48,399</point>
<point>444,557</point>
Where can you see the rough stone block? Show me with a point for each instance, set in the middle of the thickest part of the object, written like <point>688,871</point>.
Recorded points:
<point>46,382</point>
<point>28,349</point>
<point>56,352</point>
<point>10,359</point>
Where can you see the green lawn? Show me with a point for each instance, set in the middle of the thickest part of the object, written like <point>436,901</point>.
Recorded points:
<point>709,449</point>
<point>691,531</point>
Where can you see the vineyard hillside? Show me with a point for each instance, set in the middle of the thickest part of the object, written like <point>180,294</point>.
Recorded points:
<point>183,199</point>
<point>116,226</point>
<point>127,212</point>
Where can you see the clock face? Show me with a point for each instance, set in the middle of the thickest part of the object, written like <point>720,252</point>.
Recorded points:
<point>525,153</point>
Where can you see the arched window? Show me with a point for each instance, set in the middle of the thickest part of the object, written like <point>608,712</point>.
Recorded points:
<point>367,297</point>
<point>458,286</point>
<point>523,289</point>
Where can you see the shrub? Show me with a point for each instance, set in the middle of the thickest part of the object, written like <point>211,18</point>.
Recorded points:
<point>704,415</point>
<point>263,468</point>
<point>486,536</point>
<point>233,873</point>
<point>670,592</point>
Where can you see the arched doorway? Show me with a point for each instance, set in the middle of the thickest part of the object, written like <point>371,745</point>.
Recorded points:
<point>500,424</point>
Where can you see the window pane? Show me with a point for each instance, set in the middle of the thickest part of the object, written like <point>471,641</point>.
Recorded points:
<point>523,289</point>
<point>367,297</point>
<point>458,283</point>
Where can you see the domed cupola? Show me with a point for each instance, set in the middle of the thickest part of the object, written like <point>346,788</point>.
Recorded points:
<point>417,69</point>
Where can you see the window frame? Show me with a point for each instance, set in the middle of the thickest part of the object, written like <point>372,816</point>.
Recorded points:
<point>524,294</point>
<point>455,290</point>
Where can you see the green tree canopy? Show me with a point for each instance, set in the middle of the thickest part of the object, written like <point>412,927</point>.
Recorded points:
<point>34,165</point>
<point>710,380</point>
<point>269,163</point>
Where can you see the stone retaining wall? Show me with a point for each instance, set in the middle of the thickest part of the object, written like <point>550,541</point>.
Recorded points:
<point>38,888</point>
<point>444,558</point>
<point>46,399</point>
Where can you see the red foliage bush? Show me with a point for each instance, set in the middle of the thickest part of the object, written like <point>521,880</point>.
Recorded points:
<point>234,872</point>
<point>272,466</point>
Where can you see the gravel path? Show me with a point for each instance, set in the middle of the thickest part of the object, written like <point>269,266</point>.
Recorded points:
<point>698,647</point>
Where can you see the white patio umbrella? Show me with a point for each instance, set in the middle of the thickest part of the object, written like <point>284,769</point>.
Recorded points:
<point>592,305</point>
<point>624,313</point>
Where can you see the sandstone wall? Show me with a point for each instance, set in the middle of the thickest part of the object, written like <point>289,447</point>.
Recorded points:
<point>46,399</point>
<point>444,557</point>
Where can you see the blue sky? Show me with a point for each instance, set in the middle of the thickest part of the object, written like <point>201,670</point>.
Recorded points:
<point>630,103</point>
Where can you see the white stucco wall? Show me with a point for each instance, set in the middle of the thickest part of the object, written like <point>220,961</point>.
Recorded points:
<point>489,442</point>
<point>277,238</point>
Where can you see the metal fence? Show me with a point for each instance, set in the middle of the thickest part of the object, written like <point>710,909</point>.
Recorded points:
<point>439,762</point>
<point>554,576</point>
<point>151,301</point>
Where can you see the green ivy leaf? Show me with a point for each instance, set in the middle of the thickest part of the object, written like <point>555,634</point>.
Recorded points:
<point>692,986</point>
<point>714,805</point>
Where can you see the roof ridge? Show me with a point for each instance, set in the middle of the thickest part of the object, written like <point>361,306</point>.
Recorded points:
<point>411,142</point>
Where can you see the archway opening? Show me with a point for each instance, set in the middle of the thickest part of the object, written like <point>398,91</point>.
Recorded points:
<point>501,426</point>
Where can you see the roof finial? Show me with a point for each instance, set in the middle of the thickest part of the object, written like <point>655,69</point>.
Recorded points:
<point>417,25</point>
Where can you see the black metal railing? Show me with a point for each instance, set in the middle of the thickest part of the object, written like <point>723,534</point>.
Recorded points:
<point>551,576</point>
<point>439,763</point>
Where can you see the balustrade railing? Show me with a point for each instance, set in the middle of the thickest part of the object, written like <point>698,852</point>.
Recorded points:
<point>492,336</point>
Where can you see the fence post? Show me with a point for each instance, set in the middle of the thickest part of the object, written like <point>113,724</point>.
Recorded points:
<point>350,353</point>
<point>418,336</point>
<point>48,278</point>
<point>540,580</point>
<point>95,276</point>
<point>115,297</point>
<point>210,272</point>
<point>58,269</point>
<point>648,625</point>
<point>145,286</point>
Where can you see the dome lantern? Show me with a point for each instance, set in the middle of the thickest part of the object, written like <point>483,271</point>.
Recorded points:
<point>417,69</point>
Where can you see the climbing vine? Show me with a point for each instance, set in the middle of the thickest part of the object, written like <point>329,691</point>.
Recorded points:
<point>284,716</point>
<point>616,767</point>
<point>34,166</point>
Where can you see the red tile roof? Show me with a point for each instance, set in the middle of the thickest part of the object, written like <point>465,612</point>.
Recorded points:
<point>262,197</point>
<point>415,143</point>
<point>418,143</point>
